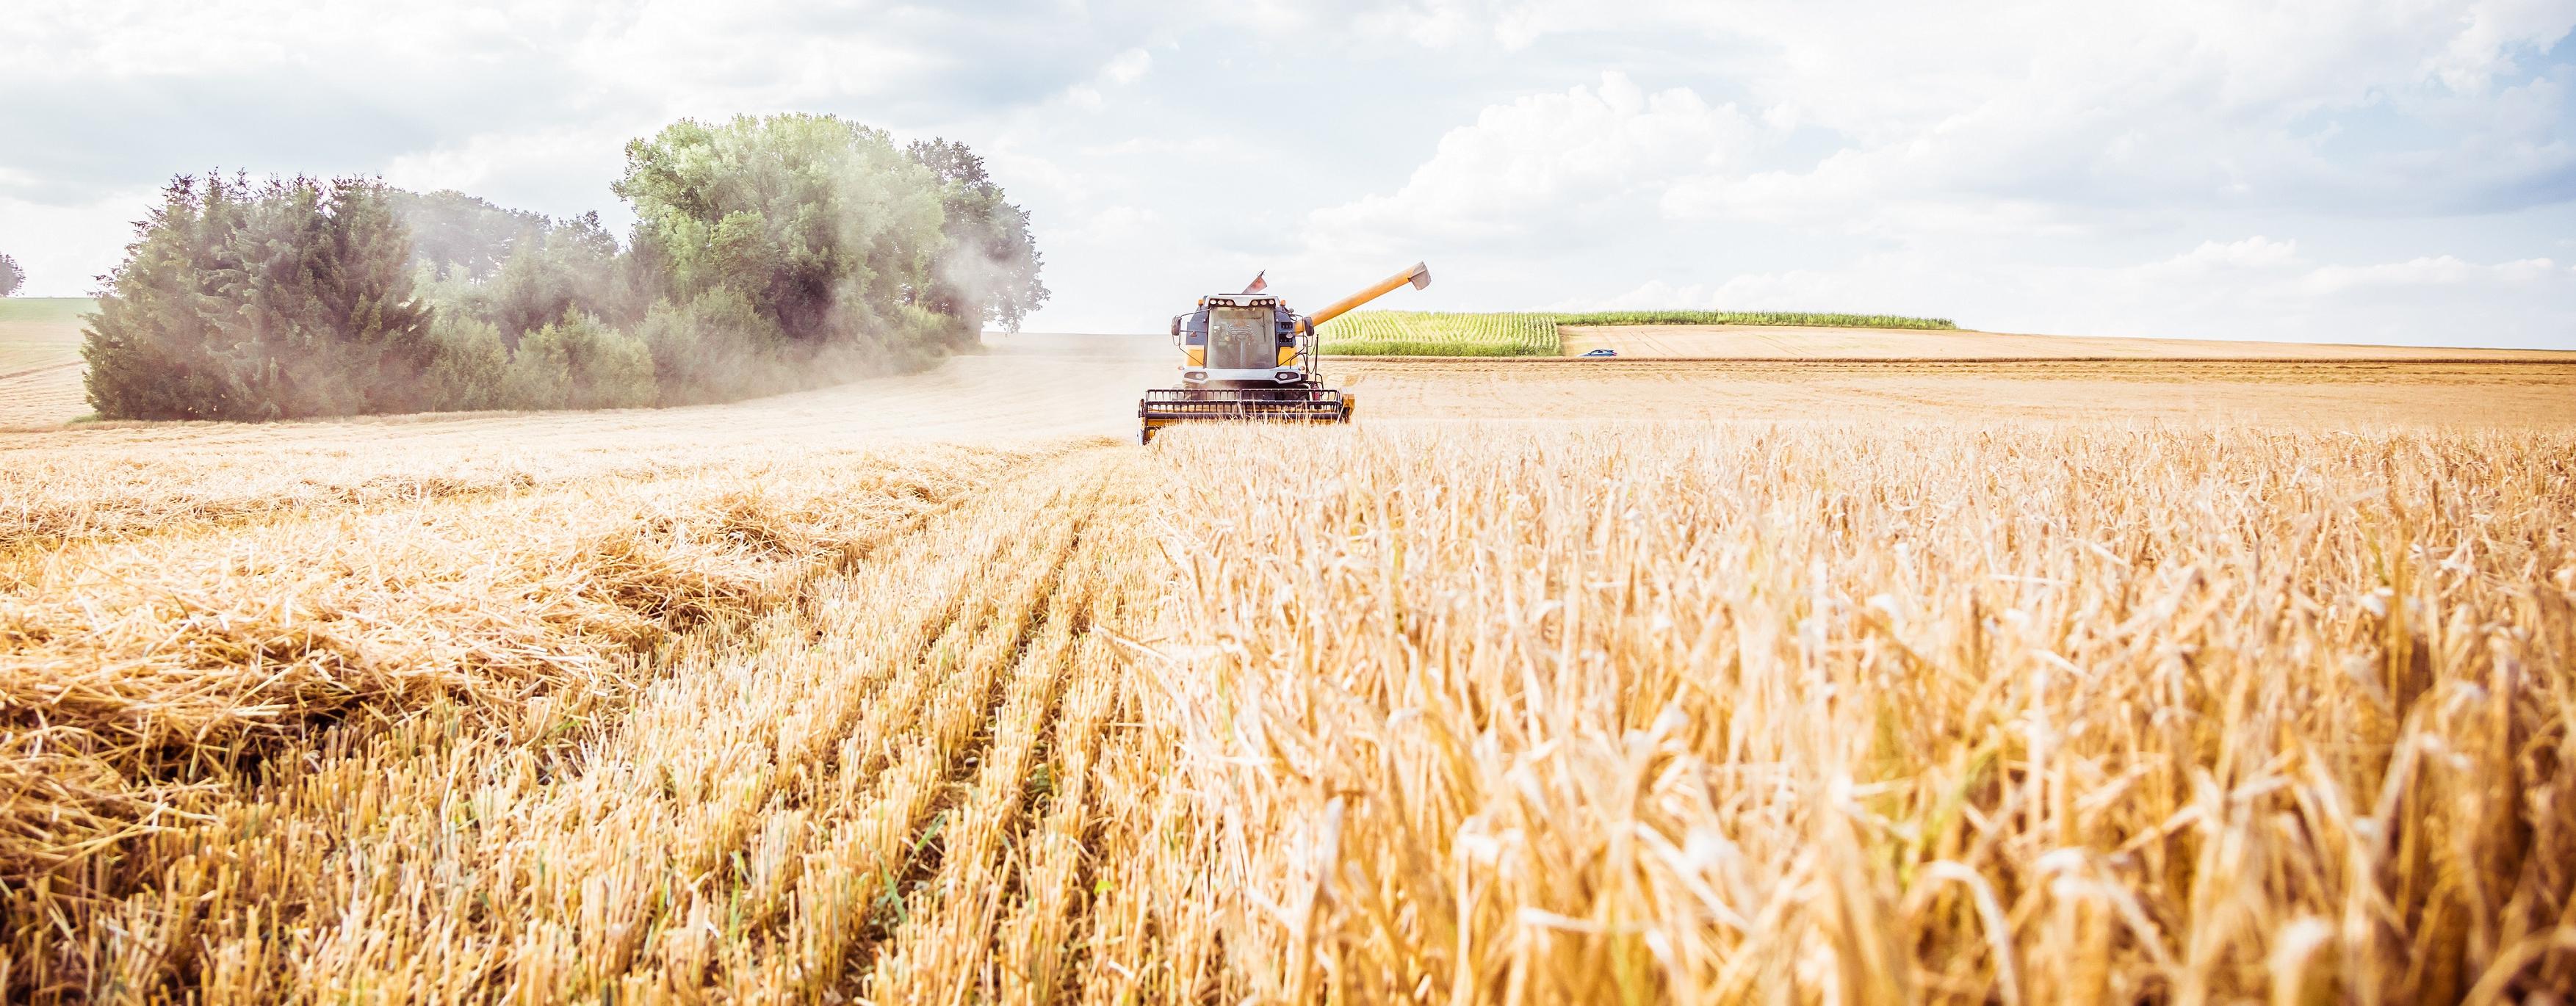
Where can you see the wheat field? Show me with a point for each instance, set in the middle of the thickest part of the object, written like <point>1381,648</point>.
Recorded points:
<point>1830,711</point>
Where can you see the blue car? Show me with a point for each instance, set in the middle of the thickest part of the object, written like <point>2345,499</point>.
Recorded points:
<point>1603,352</point>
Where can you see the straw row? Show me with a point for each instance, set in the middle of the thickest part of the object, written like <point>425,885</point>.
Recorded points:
<point>200,721</point>
<point>114,491</point>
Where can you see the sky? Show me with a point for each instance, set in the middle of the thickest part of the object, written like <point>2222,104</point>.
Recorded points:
<point>2400,171</point>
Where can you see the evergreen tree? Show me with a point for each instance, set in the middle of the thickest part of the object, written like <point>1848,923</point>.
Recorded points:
<point>281,300</point>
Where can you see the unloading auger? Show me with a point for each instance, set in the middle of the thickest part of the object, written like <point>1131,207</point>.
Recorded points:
<point>1247,356</point>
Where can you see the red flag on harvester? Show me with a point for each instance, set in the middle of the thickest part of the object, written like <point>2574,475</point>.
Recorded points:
<point>1258,283</point>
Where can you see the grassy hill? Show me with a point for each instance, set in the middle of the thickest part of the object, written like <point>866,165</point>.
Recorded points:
<point>64,310</point>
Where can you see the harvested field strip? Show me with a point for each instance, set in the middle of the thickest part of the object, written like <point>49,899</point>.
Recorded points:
<point>197,720</point>
<point>942,941</point>
<point>840,795</point>
<point>1035,956</point>
<point>48,498</point>
<point>45,399</point>
<point>1091,888</point>
<point>2036,714</point>
<point>38,370</point>
<point>740,770</point>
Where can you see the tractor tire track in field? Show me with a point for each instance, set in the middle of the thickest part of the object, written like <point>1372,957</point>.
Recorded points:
<point>31,371</point>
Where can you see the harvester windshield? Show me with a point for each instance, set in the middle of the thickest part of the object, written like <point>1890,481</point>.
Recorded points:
<point>1241,338</point>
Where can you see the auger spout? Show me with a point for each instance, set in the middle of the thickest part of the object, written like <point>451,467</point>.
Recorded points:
<point>1419,276</point>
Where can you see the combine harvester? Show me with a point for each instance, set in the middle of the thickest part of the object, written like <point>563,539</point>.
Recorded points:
<point>1246,356</point>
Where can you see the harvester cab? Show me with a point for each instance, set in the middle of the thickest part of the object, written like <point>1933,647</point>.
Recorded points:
<point>1247,356</point>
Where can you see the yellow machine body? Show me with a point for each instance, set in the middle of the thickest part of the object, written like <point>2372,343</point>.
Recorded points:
<point>1196,356</point>
<point>1247,356</point>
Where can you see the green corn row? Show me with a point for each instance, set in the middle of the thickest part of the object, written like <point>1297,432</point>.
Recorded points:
<point>1530,333</point>
<point>1441,333</point>
<point>1750,318</point>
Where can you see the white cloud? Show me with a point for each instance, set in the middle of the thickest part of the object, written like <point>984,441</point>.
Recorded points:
<point>2257,252</point>
<point>2484,47</point>
<point>559,172</point>
<point>2041,118</point>
<point>1129,67</point>
<point>1124,69</point>
<point>2427,271</point>
<point>77,243</point>
<point>1528,166</point>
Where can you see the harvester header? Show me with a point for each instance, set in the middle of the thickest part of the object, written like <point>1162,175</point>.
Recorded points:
<point>1247,356</point>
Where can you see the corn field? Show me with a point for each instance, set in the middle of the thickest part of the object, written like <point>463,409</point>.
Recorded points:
<point>1457,712</point>
<point>1793,318</point>
<point>1451,333</point>
<point>1440,333</point>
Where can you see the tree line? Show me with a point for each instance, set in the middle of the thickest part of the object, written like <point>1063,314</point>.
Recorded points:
<point>768,254</point>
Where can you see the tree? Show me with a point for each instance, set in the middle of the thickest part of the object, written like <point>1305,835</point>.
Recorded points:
<point>578,363</point>
<point>716,347</point>
<point>279,300</point>
<point>991,272</point>
<point>11,277</point>
<point>456,233</point>
<point>767,253</point>
<point>515,269</point>
<point>822,225</point>
<point>471,369</point>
